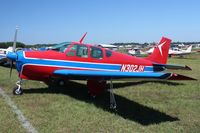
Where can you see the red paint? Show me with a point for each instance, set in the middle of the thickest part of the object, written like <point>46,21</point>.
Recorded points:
<point>96,87</point>
<point>44,72</point>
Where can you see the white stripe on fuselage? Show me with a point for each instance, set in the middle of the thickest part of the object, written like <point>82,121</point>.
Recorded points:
<point>68,61</point>
<point>64,67</point>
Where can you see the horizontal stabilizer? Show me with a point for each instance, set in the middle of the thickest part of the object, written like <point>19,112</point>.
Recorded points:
<point>172,66</point>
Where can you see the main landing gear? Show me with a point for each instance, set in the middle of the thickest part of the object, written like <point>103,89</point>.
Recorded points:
<point>97,87</point>
<point>113,104</point>
<point>18,90</point>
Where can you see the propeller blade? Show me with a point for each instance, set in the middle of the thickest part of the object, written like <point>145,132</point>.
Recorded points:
<point>15,39</point>
<point>13,50</point>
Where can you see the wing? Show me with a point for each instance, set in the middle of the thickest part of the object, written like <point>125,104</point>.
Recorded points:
<point>85,74</point>
<point>2,58</point>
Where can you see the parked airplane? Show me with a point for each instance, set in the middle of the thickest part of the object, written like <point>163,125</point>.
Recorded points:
<point>79,61</point>
<point>150,50</point>
<point>180,52</point>
<point>175,51</point>
<point>137,52</point>
<point>3,53</point>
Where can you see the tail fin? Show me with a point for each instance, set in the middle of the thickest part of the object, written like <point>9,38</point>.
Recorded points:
<point>189,49</point>
<point>160,53</point>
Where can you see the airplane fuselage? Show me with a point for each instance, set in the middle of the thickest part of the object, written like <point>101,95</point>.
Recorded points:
<point>37,65</point>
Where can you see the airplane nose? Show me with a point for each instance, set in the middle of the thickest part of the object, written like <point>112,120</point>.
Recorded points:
<point>12,56</point>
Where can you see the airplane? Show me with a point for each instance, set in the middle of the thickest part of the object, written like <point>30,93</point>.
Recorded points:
<point>3,53</point>
<point>180,52</point>
<point>96,65</point>
<point>150,50</point>
<point>175,51</point>
<point>136,52</point>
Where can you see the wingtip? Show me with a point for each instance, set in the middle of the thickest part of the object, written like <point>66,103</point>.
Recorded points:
<point>188,68</point>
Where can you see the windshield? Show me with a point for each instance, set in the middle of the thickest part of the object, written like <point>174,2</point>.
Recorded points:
<point>61,47</point>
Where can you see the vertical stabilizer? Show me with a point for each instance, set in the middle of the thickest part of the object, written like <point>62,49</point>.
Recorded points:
<point>189,49</point>
<point>160,53</point>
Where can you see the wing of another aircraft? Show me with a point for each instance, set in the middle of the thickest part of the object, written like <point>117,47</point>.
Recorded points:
<point>85,74</point>
<point>2,55</point>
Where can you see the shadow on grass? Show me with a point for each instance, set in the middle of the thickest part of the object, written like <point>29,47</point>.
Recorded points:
<point>126,84</point>
<point>125,108</point>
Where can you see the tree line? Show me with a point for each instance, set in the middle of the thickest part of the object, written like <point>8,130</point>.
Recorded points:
<point>22,45</point>
<point>10,44</point>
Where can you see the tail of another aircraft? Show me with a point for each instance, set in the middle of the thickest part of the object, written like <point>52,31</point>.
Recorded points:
<point>160,53</point>
<point>189,49</point>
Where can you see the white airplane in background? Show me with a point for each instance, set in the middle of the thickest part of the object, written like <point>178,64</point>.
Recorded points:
<point>136,52</point>
<point>175,51</point>
<point>150,50</point>
<point>180,52</point>
<point>3,53</point>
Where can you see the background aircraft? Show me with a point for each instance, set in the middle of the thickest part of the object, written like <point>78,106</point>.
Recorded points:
<point>150,50</point>
<point>3,53</point>
<point>78,61</point>
<point>175,51</point>
<point>180,52</point>
<point>137,52</point>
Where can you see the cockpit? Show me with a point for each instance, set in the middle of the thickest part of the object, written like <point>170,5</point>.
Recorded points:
<point>81,50</point>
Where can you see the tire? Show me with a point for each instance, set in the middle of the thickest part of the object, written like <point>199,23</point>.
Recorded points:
<point>17,91</point>
<point>61,83</point>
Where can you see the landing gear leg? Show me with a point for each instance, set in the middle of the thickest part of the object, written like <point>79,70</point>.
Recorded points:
<point>18,90</point>
<point>113,104</point>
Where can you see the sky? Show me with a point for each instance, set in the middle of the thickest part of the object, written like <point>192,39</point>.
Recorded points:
<point>106,21</point>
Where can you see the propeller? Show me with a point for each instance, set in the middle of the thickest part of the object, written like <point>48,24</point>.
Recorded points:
<point>13,49</point>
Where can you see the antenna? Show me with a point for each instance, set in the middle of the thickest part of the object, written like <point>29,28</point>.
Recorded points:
<point>81,40</point>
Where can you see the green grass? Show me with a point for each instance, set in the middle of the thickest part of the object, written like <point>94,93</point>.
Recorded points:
<point>8,120</point>
<point>143,106</point>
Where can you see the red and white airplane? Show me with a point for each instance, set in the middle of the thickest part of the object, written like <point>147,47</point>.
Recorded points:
<point>79,61</point>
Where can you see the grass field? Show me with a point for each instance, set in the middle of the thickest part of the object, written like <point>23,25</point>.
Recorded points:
<point>143,106</point>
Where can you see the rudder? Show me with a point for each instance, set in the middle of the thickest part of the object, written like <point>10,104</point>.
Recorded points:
<point>160,53</point>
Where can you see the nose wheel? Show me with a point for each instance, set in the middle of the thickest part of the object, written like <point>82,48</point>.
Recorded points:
<point>18,90</point>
